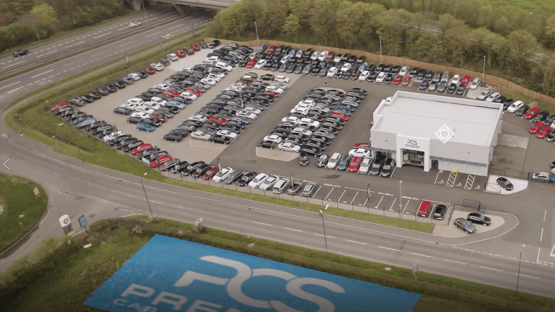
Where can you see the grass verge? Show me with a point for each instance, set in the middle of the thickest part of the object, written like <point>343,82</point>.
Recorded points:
<point>22,209</point>
<point>54,268</point>
<point>527,99</point>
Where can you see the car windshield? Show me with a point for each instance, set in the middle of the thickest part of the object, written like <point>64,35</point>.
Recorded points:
<point>307,188</point>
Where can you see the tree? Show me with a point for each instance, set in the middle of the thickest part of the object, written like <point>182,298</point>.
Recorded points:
<point>523,48</point>
<point>45,17</point>
<point>234,20</point>
<point>548,73</point>
<point>392,27</point>
<point>292,26</point>
<point>502,26</point>
<point>550,31</point>
<point>429,47</point>
<point>323,19</point>
<point>14,8</point>
<point>301,9</point>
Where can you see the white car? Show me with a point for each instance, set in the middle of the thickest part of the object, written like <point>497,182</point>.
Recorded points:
<point>143,115</point>
<point>292,119</point>
<point>129,105</point>
<point>112,135</point>
<point>345,67</point>
<point>212,58</point>
<point>315,55</point>
<point>209,81</point>
<point>302,111</point>
<point>282,79</point>
<point>252,110</point>
<point>516,105</point>
<point>299,53</point>
<point>158,101</point>
<point>380,77</point>
<point>172,57</point>
<point>302,130</point>
<point>285,59</point>
<point>332,72</point>
<point>198,118</point>
<point>227,133</point>
<point>222,175</point>
<point>334,161</point>
<point>360,152</point>
<point>260,64</point>
<point>259,179</point>
<point>309,122</point>
<point>188,95</point>
<point>365,166</point>
<point>275,89</point>
<point>153,105</point>
<point>304,106</point>
<point>163,86</point>
<point>134,76</point>
<point>289,147</point>
<point>136,101</point>
<point>475,83</point>
<point>200,135</point>
<point>224,65</point>
<point>404,71</point>
<point>216,78</point>
<point>145,109</point>
<point>322,55</point>
<point>272,138</point>
<point>337,58</point>
<point>268,183</point>
<point>246,114</point>
<point>493,96</point>
<point>364,75</point>
<point>157,66</point>
<point>456,80</point>
<point>134,24</point>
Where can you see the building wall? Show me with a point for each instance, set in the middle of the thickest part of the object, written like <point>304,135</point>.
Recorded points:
<point>463,168</point>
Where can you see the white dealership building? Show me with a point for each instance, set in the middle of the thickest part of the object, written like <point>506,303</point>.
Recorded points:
<point>437,132</point>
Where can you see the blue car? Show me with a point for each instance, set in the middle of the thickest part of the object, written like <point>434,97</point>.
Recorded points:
<point>344,163</point>
<point>145,127</point>
<point>176,104</point>
<point>346,107</point>
<point>343,111</point>
<point>81,119</point>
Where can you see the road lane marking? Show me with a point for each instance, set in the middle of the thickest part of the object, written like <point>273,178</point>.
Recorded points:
<point>293,229</point>
<point>544,214</point>
<point>126,43</point>
<point>41,55</point>
<point>71,45</point>
<point>341,195</point>
<point>14,90</point>
<point>417,254</point>
<point>488,268</point>
<point>263,223</point>
<point>323,235</point>
<point>316,191</point>
<point>174,27</point>
<point>333,188</point>
<point>530,276</point>
<point>354,198</point>
<point>153,34</point>
<point>102,35</point>
<point>355,189</point>
<point>46,72</point>
<point>14,64</point>
<point>393,249</point>
<point>352,241</point>
<point>10,85</point>
<point>455,261</point>
<point>541,235</point>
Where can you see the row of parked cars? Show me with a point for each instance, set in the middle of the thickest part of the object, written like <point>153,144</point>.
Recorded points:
<point>360,160</point>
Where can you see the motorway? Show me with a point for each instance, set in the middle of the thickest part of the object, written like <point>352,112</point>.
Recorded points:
<point>75,189</point>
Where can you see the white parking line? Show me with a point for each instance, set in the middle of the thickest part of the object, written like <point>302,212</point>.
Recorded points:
<point>437,175</point>
<point>46,72</point>
<point>341,195</point>
<point>329,193</point>
<point>364,203</point>
<point>379,202</point>
<point>355,189</point>
<point>316,191</point>
<point>408,200</point>
<point>102,35</point>
<point>71,45</point>
<point>354,198</point>
<point>10,85</point>
<point>393,203</point>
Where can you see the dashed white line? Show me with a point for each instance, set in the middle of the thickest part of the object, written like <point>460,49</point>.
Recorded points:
<point>102,35</point>
<point>263,223</point>
<point>293,229</point>
<point>10,85</point>
<point>488,268</point>
<point>153,34</point>
<point>71,45</point>
<point>541,235</point>
<point>392,249</point>
<point>455,261</point>
<point>544,215</point>
<point>14,90</point>
<point>323,235</point>
<point>417,254</point>
<point>14,64</point>
<point>530,276</point>
<point>47,53</point>
<point>352,241</point>
<point>46,72</point>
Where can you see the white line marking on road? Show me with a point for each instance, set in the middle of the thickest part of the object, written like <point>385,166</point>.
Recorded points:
<point>393,203</point>
<point>323,235</point>
<point>71,45</point>
<point>455,261</point>
<point>14,90</point>
<point>30,84</point>
<point>437,175</point>
<point>153,34</point>
<point>408,200</point>
<point>417,254</point>
<point>488,268</point>
<point>530,276</point>
<point>47,53</point>
<point>46,72</point>
<point>544,215</point>
<point>393,249</point>
<point>316,191</point>
<point>126,43</point>
<point>365,202</point>
<point>354,198</point>
<point>552,254</point>
<point>341,195</point>
<point>102,35</point>
<point>435,201</point>
<point>14,64</point>
<point>293,229</point>
<point>263,223</point>
<point>174,26</point>
<point>355,189</point>
<point>352,241</point>
<point>123,28</point>
<point>379,202</point>
<point>538,259</point>
<point>10,85</point>
<point>333,188</point>
<point>541,235</point>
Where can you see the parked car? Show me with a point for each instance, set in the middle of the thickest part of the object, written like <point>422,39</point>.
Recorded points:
<point>439,212</point>
<point>465,225</point>
<point>424,209</point>
<point>309,189</point>
<point>505,183</point>
<point>246,179</point>
<point>258,180</point>
<point>322,161</point>
<point>303,159</point>
<point>479,218</point>
<point>233,177</point>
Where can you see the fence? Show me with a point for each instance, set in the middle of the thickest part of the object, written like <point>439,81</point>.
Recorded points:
<point>492,80</point>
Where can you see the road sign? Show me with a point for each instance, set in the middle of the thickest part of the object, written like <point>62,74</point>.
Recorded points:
<point>36,192</point>
<point>82,221</point>
<point>415,269</point>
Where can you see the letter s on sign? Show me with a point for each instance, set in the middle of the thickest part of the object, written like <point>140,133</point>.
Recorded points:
<point>294,288</point>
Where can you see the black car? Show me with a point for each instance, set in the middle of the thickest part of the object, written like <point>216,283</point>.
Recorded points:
<point>246,179</point>
<point>165,62</point>
<point>179,166</point>
<point>439,212</point>
<point>20,53</point>
<point>220,139</point>
<point>87,98</point>
<point>442,87</point>
<point>479,218</point>
<point>505,183</point>
<point>507,103</point>
<point>201,170</point>
<point>176,137</point>
<point>461,89</point>
<point>203,45</point>
<point>134,120</point>
<point>420,74</point>
<point>549,120</point>
<point>111,87</point>
<point>103,91</point>
<point>131,146</point>
<point>233,177</point>
<point>303,159</point>
<point>311,151</point>
<point>119,84</point>
<point>452,88</point>
<point>465,225</point>
<point>541,116</point>
<point>152,121</point>
<point>122,110</point>
<point>424,84</point>
<point>191,168</point>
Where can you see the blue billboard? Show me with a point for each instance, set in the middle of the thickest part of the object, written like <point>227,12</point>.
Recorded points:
<point>169,274</point>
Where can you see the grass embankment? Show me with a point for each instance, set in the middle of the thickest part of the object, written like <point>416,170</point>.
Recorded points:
<point>18,199</point>
<point>528,5</point>
<point>526,99</point>
<point>65,267</point>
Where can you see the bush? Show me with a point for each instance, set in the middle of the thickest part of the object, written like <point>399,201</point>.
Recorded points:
<point>15,35</point>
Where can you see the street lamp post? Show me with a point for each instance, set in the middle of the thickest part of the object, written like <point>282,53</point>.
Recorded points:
<point>400,197</point>
<point>241,99</point>
<point>381,49</point>
<point>518,275</point>
<point>324,226</point>
<point>256,27</point>
<point>484,72</point>
<point>143,4</point>
<point>144,190</point>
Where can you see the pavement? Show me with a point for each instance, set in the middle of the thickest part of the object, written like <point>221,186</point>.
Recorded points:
<point>75,188</point>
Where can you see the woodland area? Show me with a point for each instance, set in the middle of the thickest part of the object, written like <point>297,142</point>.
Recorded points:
<point>49,16</point>
<point>518,45</point>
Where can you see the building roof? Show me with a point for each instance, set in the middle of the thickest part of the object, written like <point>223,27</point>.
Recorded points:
<point>422,115</point>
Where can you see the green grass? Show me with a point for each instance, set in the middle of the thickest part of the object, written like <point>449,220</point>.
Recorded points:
<point>527,99</point>
<point>113,243</point>
<point>527,5</point>
<point>17,197</point>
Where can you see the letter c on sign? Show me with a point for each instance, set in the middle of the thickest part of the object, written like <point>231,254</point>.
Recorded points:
<point>120,302</point>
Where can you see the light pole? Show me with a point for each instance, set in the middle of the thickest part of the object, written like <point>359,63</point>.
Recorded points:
<point>143,4</point>
<point>400,197</point>
<point>241,99</point>
<point>518,275</point>
<point>381,49</point>
<point>256,27</point>
<point>144,190</point>
<point>324,226</point>
<point>484,72</point>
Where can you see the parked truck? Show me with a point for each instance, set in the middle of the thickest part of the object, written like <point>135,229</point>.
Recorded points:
<point>543,177</point>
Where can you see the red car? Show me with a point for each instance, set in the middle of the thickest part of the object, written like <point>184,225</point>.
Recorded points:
<point>274,94</point>
<point>141,148</point>
<point>162,118</point>
<point>536,127</point>
<point>246,81</point>
<point>397,80</point>
<point>210,173</point>
<point>160,161</point>
<point>330,56</point>
<point>465,80</point>
<point>545,131</point>
<point>180,53</point>
<point>170,93</point>
<point>341,116</point>
<point>406,81</point>
<point>251,63</point>
<point>355,163</point>
<point>195,92</point>
<point>217,120</point>
<point>195,47</point>
<point>532,112</point>
<point>57,107</point>
<point>425,208</point>
<point>366,145</point>
<point>149,70</point>
<point>271,49</point>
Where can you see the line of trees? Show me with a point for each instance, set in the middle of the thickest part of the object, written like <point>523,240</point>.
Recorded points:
<point>49,16</point>
<point>517,44</point>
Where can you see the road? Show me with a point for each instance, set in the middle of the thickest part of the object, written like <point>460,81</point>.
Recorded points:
<point>17,86</point>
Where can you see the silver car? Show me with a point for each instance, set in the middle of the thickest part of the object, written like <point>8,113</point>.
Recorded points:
<point>484,94</point>
<point>268,183</point>
<point>465,225</point>
<point>280,186</point>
